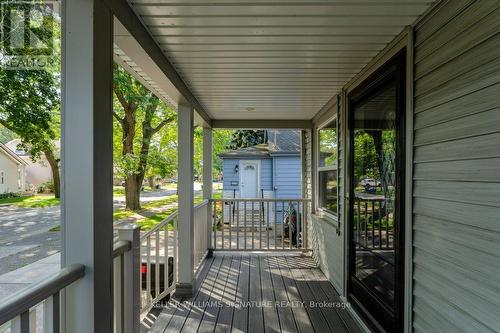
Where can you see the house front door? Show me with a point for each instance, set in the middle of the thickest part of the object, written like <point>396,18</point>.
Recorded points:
<point>376,205</point>
<point>249,179</point>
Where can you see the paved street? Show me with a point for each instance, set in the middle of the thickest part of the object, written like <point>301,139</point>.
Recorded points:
<point>25,235</point>
<point>24,232</point>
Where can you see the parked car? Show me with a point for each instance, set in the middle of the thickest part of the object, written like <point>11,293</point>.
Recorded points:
<point>152,268</point>
<point>369,182</point>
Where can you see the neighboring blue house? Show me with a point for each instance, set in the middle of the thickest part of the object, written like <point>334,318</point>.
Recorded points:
<point>271,170</point>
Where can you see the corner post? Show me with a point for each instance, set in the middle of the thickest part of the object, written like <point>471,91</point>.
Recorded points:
<point>87,164</point>
<point>131,278</point>
<point>185,256</point>
<point>207,180</point>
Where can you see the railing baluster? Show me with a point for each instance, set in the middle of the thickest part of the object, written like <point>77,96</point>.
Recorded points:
<point>366,224</point>
<point>261,217</point>
<point>32,317</point>
<point>298,224</point>
<point>223,223</point>
<point>358,224</point>
<point>165,255</point>
<point>214,225</point>
<point>306,225</point>
<point>245,223</point>
<point>231,219</point>
<point>238,225</point>
<point>386,211</point>
<point>282,225</point>
<point>267,224</point>
<point>148,270</point>
<point>253,225</point>
<point>373,224</point>
<point>380,224</point>
<point>157,263</point>
<point>275,225</point>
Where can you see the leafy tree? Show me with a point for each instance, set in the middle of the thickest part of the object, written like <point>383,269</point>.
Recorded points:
<point>30,108</point>
<point>6,135</point>
<point>221,142</point>
<point>247,138</point>
<point>140,115</point>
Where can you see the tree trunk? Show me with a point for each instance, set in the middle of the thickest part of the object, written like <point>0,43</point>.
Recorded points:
<point>54,166</point>
<point>133,192</point>
<point>151,181</point>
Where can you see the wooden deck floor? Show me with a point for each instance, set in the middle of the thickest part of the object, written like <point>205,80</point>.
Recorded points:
<point>258,293</point>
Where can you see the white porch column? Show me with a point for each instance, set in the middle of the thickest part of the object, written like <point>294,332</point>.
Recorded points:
<point>185,175</point>
<point>87,163</point>
<point>207,180</point>
<point>207,162</point>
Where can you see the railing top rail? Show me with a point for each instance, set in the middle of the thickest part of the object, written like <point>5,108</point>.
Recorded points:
<point>159,225</point>
<point>260,200</point>
<point>120,247</point>
<point>201,204</point>
<point>38,292</point>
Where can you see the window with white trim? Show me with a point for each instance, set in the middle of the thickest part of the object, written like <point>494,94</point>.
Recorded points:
<point>328,168</point>
<point>2,177</point>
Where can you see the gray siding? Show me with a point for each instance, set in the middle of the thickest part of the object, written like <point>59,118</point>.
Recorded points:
<point>456,226</point>
<point>327,245</point>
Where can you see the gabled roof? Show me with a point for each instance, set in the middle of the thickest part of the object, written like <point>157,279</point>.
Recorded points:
<point>10,154</point>
<point>279,142</point>
<point>283,141</point>
<point>261,150</point>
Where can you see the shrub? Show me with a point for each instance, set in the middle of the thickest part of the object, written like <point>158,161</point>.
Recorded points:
<point>47,187</point>
<point>9,195</point>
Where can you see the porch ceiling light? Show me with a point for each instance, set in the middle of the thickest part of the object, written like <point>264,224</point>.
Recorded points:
<point>250,109</point>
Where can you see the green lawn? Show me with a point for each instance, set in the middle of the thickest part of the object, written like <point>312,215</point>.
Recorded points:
<point>148,222</point>
<point>36,201</point>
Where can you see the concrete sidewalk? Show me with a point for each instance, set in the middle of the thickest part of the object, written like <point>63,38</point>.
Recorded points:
<point>19,279</point>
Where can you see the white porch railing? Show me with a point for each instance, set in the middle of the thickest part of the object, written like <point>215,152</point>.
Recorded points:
<point>158,262</point>
<point>201,232</point>
<point>259,224</point>
<point>19,313</point>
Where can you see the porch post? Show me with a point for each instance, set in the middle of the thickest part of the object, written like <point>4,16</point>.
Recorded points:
<point>185,175</point>
<point>87,164</point>
<point>207,180</point>
<point>207,163</point>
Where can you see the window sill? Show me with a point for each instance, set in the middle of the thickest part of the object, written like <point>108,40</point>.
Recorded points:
<point>328,219</point>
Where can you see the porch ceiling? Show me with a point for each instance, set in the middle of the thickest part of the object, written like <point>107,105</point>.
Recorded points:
<point>265,59</point>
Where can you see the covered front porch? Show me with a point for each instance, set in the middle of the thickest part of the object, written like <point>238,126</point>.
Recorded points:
<point>401,238</point>
<point>257,292</point>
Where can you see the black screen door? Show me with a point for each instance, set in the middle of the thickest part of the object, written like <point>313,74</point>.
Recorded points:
<point>376,124</point>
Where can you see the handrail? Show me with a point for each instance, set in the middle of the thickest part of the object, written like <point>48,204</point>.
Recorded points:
<point>120,247</point>
<point>260,200</point>
<point>167,220</point>
<point>159,225</point>
<point>203,203</point>
<point>23,301</point>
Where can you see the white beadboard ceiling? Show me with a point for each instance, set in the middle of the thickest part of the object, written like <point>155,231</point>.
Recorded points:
<point>265,59</point>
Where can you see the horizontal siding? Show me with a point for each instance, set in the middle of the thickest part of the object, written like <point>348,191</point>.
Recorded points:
<point>328,246</point>
<point>287,177</point>
<point>230,176</point>
<point>456,189</point>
